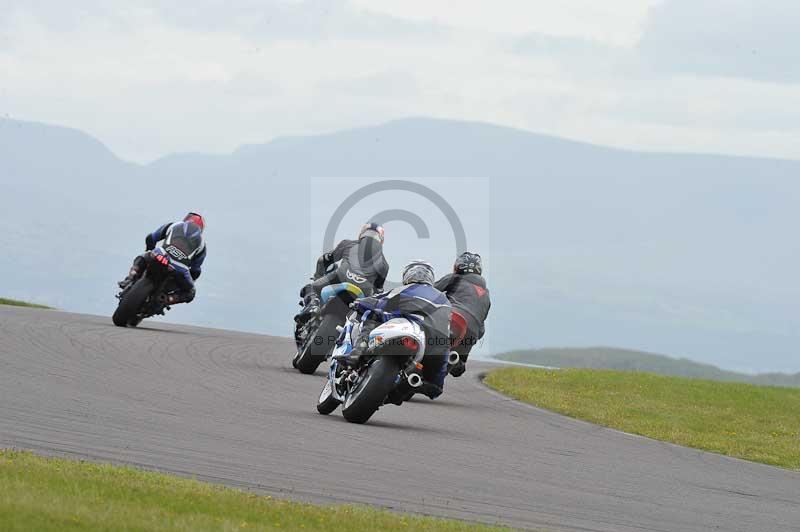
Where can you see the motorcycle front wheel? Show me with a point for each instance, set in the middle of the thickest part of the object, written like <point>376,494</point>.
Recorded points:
<point>327,403</point>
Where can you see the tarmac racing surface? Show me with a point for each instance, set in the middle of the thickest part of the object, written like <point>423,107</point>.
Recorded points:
<point>227,407</point>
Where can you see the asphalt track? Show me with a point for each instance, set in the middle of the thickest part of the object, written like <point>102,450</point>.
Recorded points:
<point>227,407</point>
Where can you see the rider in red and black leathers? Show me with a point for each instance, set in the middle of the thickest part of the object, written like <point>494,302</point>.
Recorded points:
<point>362,264</point>
<point>466,290</point>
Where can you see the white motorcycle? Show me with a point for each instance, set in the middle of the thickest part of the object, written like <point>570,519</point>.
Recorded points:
<point>394,353</point>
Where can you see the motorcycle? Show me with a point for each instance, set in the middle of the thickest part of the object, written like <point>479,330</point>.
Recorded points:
<point>147,296</point>
<point>316,337</point>
<point>394,354</point>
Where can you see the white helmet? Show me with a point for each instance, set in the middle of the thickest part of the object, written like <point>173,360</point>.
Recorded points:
<point>418,271</point>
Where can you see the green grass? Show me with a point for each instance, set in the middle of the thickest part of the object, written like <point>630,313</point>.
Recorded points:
<point>758,423</point>
<point>630,360</point>
<point>54,494</point>
<point>15,303</point>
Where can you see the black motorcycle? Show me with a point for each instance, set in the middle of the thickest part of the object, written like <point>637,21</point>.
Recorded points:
<point>147,296</point>
<point>316,338</point>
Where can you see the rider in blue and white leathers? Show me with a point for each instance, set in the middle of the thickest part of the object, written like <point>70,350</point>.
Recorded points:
<point>183,244</point>
<point>416,296</point>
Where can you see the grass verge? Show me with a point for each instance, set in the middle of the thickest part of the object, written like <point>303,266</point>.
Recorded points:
<point>15,303</point>
<point>46,494</point>
<point>758,423</point>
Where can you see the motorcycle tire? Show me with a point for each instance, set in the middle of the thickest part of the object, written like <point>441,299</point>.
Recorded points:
<point>317,346</point>
<point>327,403</point>
<point>131,303</point>
<point>371,390</point>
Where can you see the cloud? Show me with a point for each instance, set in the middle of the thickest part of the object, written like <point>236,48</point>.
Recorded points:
<point>615,22</point>
<point>258,20</point>
<point>733,38</point>
<point>305,20</point>
<point>208,76</point>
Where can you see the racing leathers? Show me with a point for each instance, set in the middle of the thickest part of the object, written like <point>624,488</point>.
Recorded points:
<point>183,244</point>
<point>469,296</point>
<point>433,307</point>
<point>361,262</point>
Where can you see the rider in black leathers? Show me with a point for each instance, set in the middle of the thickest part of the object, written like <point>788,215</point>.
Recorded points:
<point>466,290</point>
<point>362,264</point>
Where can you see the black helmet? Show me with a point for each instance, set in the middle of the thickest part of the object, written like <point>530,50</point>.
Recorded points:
<point>418,271</point>
<point>372,230</point>
<point>468,263</point>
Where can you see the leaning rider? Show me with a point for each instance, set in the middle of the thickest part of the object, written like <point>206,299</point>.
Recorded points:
<point>416,296</point>
<point>466,290</point>
<point>362,264</point>
<point>185,247</point>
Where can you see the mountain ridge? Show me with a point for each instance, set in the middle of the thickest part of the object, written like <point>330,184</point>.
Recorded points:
<point>683,254</point>
<point>603,357</point>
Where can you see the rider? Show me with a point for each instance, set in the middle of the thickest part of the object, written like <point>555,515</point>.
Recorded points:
<point>362,264</point>
<point>416,296</point>
<point>466,290</point>
<point>186,250</point>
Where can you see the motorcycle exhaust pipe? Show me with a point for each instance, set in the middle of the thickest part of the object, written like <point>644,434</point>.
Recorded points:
<point>414,380</point>
<point>453,358</point>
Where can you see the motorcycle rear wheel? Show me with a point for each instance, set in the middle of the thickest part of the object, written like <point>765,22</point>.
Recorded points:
<point>131,303</point>
<point>317,345</point>
<point>372,389</point>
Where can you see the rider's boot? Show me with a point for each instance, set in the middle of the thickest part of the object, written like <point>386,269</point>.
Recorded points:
<point>458,369</point>
<point>353,356</point>
<point>311,308</point>
<point>132,276</point>
<point>134,273</point>
<point>430,389</point>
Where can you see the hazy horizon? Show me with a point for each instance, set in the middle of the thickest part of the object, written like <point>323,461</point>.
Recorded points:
<point>679,254</point>
<point>635,165</point>
<point>280,137</point>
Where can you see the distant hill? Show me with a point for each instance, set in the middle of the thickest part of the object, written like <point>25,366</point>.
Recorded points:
<point>629,360</point>
<point>586,245</point>
<point>31,150</point>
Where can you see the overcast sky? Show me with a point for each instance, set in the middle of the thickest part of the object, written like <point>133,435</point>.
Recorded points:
<point>208,75</point>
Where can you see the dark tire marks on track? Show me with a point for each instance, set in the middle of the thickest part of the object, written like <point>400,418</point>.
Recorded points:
<point>227,407</point>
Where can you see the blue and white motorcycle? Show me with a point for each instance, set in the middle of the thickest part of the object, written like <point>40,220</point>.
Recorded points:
<point>394,353</point>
